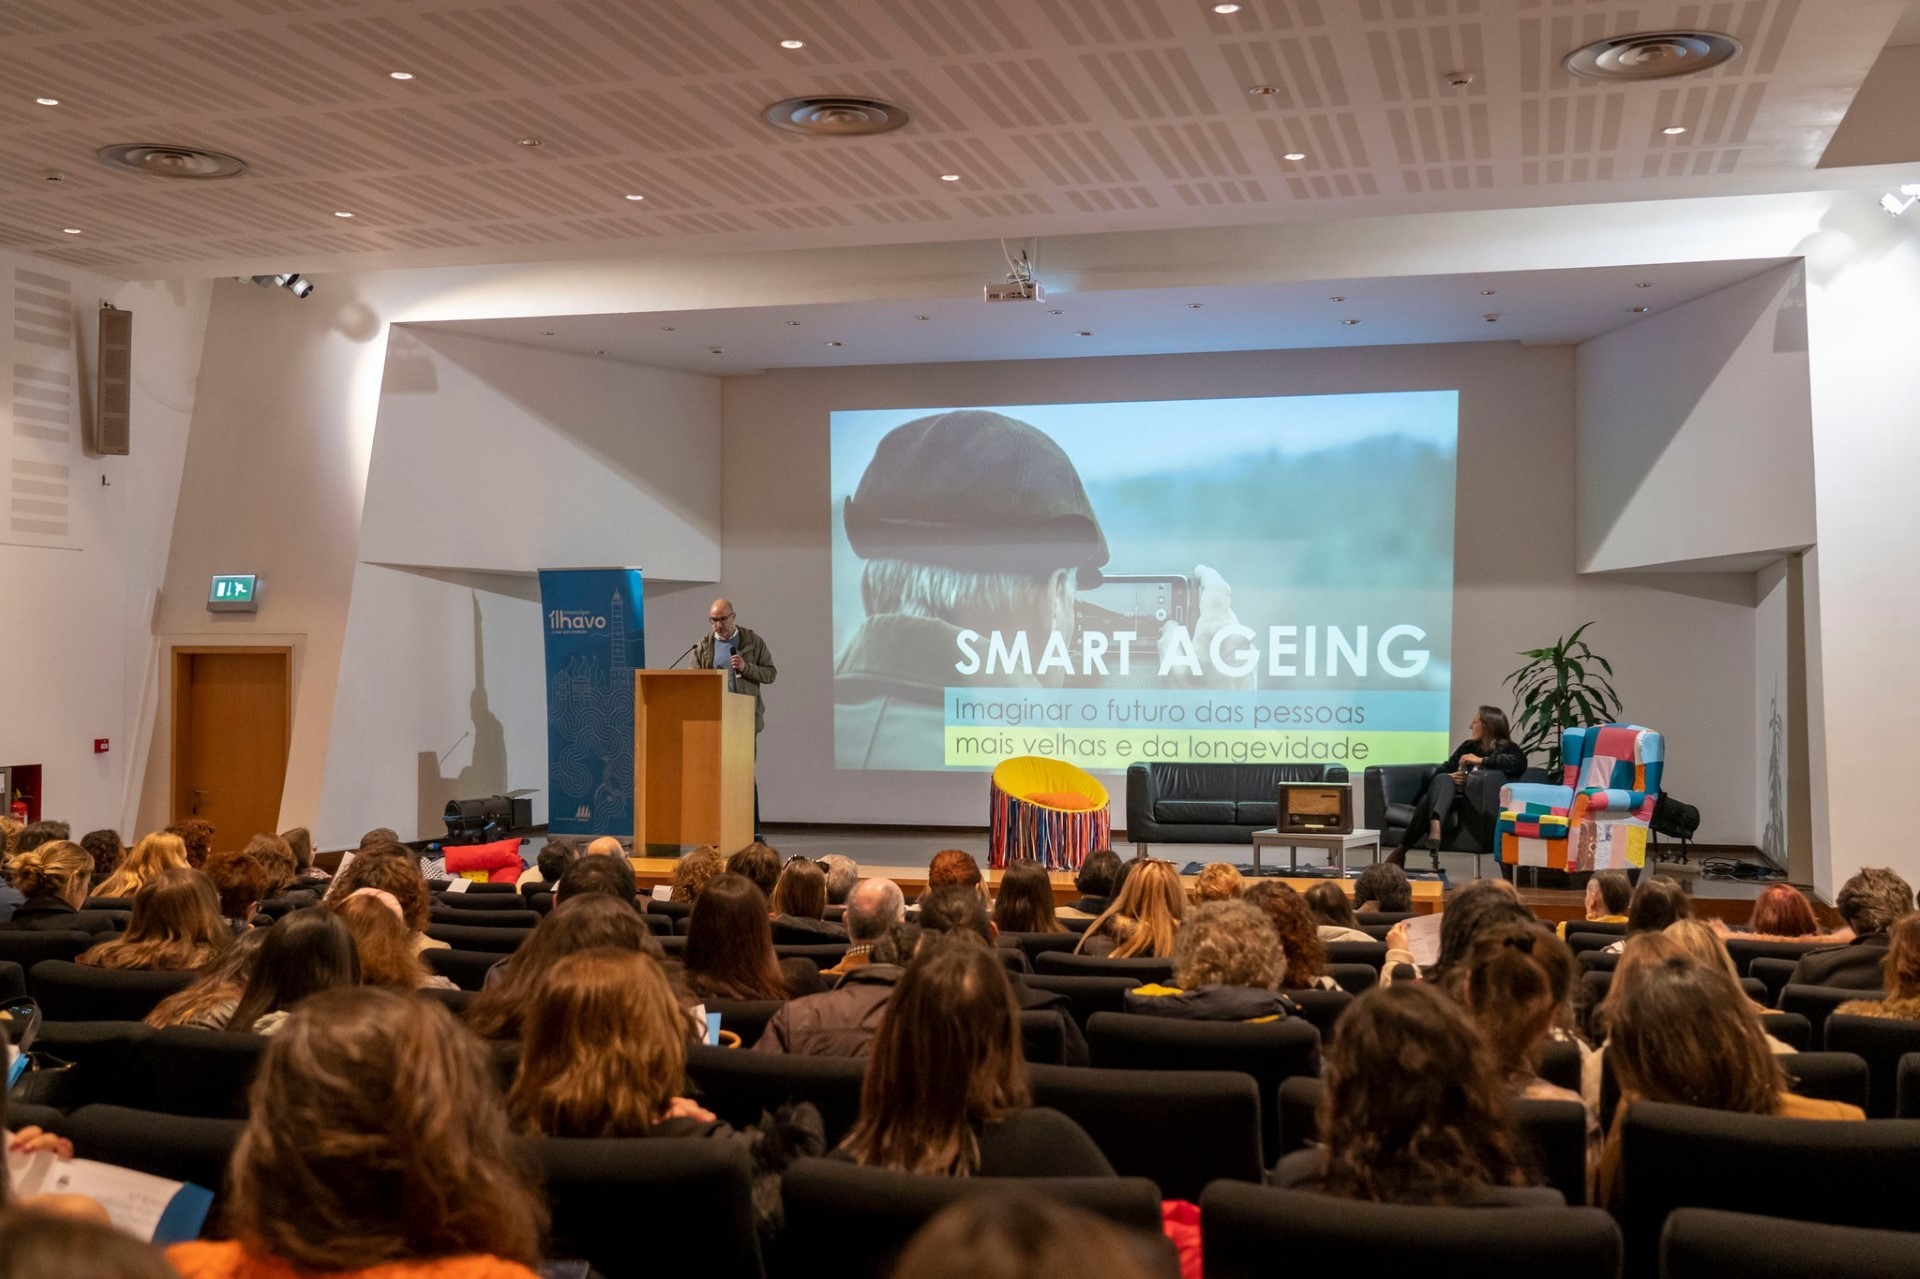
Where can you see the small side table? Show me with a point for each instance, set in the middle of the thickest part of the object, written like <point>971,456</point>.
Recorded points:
<point>1335,846</point>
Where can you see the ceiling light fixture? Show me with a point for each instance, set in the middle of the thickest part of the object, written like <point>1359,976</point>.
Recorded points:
<point>1195,306</point>
<point>1336,298</point>
<point>1491,317</point>
<point>1225,9</point>
<point>530,142</point>
<point>1349,323</point>
<point>1896,203</point>
<point>1486,293</point>
<point>793,44</point>
<point>636,197</point>
<point>1087,333</point>
<point>599,352</point>
<point>291,281</point>
<point>666,328</point>
<point>1674,130</point>
<point>1640,310</point>
<point>949,177</point>
<point>546,333</point>
<point>793,324</point>
<point>156,159</point>
<point>1056,312</point>
<point>923,317</point>
<point>1644,284</point>
<point>1651,55</point>
<point>835,344</point>
<point>835,116</point>
<point>1264,90</point>
<point>71,230</point>
<point>48,102</point>
<point>341,213</point>
<point>1295,155</point>
<point>716,350</point>
<point>399,75</point>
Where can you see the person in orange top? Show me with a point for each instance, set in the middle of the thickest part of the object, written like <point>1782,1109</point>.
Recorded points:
<point>376,1147</point>
<point>1685,1033</point>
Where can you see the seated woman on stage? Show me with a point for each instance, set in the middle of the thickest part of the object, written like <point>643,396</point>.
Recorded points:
<point>1488,748</point>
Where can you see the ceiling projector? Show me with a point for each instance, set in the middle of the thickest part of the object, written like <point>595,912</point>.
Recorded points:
<point>1015,291</point>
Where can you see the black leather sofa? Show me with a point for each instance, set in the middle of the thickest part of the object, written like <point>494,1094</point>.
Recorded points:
<point>1210,803</point>
<point>1389,792</point>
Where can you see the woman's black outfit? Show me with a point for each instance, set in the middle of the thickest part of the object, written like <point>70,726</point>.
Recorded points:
<point>1442,797</point>
<point>50,913</point>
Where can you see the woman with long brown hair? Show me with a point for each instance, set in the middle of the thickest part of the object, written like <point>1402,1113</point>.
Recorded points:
<point>176,926</point>
<point>1516,983</point>
<point>375,1138</point>
<point>387,955</point>
<point>1144,916</point>
<point>209,1002</point>
<point>1300,940</point>
<point>1024,903</point>
<point>587,922</point>
<point>801,891</point>
<point>729,951</point>
<point>153,854</point>
<point>946,1089</point>
<point>308,952</point>
<point>1413,1110</point>
<point>392,868</point>
<point>1333,913</point>
<point>603,1051</point>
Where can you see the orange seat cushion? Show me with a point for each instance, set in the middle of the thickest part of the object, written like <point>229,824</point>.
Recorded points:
<point>1059,799</point>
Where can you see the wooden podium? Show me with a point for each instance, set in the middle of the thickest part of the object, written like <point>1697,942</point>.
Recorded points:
<point>692,761</point>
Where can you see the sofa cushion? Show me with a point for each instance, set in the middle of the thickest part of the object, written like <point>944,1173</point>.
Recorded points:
<point>1399,814</point>
<point>1253,812</point>
<point>1178,811</point>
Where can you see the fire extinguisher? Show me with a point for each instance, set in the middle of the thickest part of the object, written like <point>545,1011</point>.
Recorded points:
<point>19,808</point>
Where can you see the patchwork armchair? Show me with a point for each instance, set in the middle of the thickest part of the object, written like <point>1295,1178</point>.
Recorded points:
<point>1597,819</point>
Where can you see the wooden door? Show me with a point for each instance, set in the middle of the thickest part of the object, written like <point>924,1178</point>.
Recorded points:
<point>231,711</point>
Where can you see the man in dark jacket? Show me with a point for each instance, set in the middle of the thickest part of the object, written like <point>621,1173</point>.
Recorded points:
<point>837,1023</point>
<point>1869,902</point>
<point>1097,880</point>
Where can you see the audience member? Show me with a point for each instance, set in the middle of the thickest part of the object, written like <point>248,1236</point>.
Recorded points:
<point>1676,1036</point>
<point>1515,983</point>
<point>841,1022</point>
<point>952,867</point>
<point>1782,913</point>
<point>1657,902</point>
<point>946,1089</point>
<point>1003,1236</point>
<point>1144,916</point>
<point>607,846</point>
<point>10,828</point>
<point>1474,908</point>
<point>154,853</point>
<point>1096,879</point>
<point>694,871</point>
<point>595,874</point>
<point>550,863</point>
<point>1413,1110</point>
<point>384,944</point>
<point>196,836</point>
<point>1383,889</point>
<point>241,880</point>
<point>300,844</point>
<point>35,834</point>
<point>1333,913</point>
<point>1608,895</point>
<point>1216,882</point>
<point>842,874</point>
<point>208,1003</point>
<point>39,1242</point>
<point>587,922</point>
<point>957,910</point>
<point>729,952</point>
<point>800,899</point>
<point>309,951</point>
<point>53,881</point>
<point>1227,966</point>
<point>176,926</point>
<point>283,870</point>
<point>375,1138</point>
<point>1024,903</point>
<point>1698,940</point>
<point>1869,902</point>
<point>1901,972</point>
<point>393,869</point>
<point>1306,955</point>
<point>874,909</point>
<point>107,851</point>
<point>757,862</point>
<point>378,837</point>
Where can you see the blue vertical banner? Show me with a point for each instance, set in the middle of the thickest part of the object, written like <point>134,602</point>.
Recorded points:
<point>595,641</point>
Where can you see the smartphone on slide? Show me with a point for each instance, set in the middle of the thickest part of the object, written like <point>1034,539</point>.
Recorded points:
<point>1139,602</point>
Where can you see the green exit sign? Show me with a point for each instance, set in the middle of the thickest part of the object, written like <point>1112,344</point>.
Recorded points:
<point>234,593</point>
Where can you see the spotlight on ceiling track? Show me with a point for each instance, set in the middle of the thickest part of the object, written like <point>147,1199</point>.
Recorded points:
<point>1896,203</point>
<point>292,282</point>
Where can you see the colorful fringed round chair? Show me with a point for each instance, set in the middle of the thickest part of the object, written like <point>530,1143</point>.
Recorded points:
<point>1048,810</point>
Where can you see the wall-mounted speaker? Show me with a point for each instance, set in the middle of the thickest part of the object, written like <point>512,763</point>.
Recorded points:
<point>112,415</point>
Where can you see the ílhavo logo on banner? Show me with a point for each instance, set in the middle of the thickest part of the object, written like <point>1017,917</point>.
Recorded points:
<point>595,640</point>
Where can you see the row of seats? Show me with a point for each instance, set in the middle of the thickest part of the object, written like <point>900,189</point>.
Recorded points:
<point>1690,1175</point>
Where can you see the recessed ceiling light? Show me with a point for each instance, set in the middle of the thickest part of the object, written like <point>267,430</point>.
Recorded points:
<point>793,324</point>
<point>666,328</point>
<point>1195,306</point>
<point>1056,312</point>
<point>1295,155</point>
<point>793,44</point>
<point>949,177</point>
<point>1087,333</point>
<point>1226,8</point>
<point>341,213</point>
<point>1264,90</point>
<point>1673,130</point>
<point>1336,298</point>
<point>833,343</point>
<point>923,317</point>
<point>1349,323</point>
<point>716,350</point>
<point>529,142</point>
<point>546,333</point>
<point>636,197</point>
<point>400,75</point>
<point>599,352</point>
<point>1486,293</point>
<point>1644,284</point>
<point>48,102</point>
<point>71,230</point>
<point>1491,317</point>
<point>1640,310</point>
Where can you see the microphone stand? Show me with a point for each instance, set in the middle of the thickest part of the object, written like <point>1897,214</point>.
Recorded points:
<point>683,656</point>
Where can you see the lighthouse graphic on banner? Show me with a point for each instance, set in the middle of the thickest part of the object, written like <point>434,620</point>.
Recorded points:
<point>594,642</point>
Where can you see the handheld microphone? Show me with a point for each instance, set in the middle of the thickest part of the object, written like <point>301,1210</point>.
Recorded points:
<point>683,656</point>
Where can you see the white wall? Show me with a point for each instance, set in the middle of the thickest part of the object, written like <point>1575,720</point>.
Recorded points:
<point>75,656</point>
<point>1515,585</point>
<point>1694,429</point>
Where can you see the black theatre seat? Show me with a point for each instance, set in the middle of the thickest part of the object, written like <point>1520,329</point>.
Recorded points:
<point>697,1195</point>
<point>79,992</point>
<point>467,969</point>
<point>172,1146</point>
<point>1700,1243</point>
<point>1068,965</point>
<point>1880,1042</point>
<point>109,1061</point>
<point>203,1073</point>
<point>739,1086</point>
<point>1086,995</point>
<point>485,918</point>
<point>27,948</point>
<point>502,941</point>
<point>1180,1128</point>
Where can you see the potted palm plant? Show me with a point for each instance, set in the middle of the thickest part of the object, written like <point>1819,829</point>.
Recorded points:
<point>1561,687</point>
